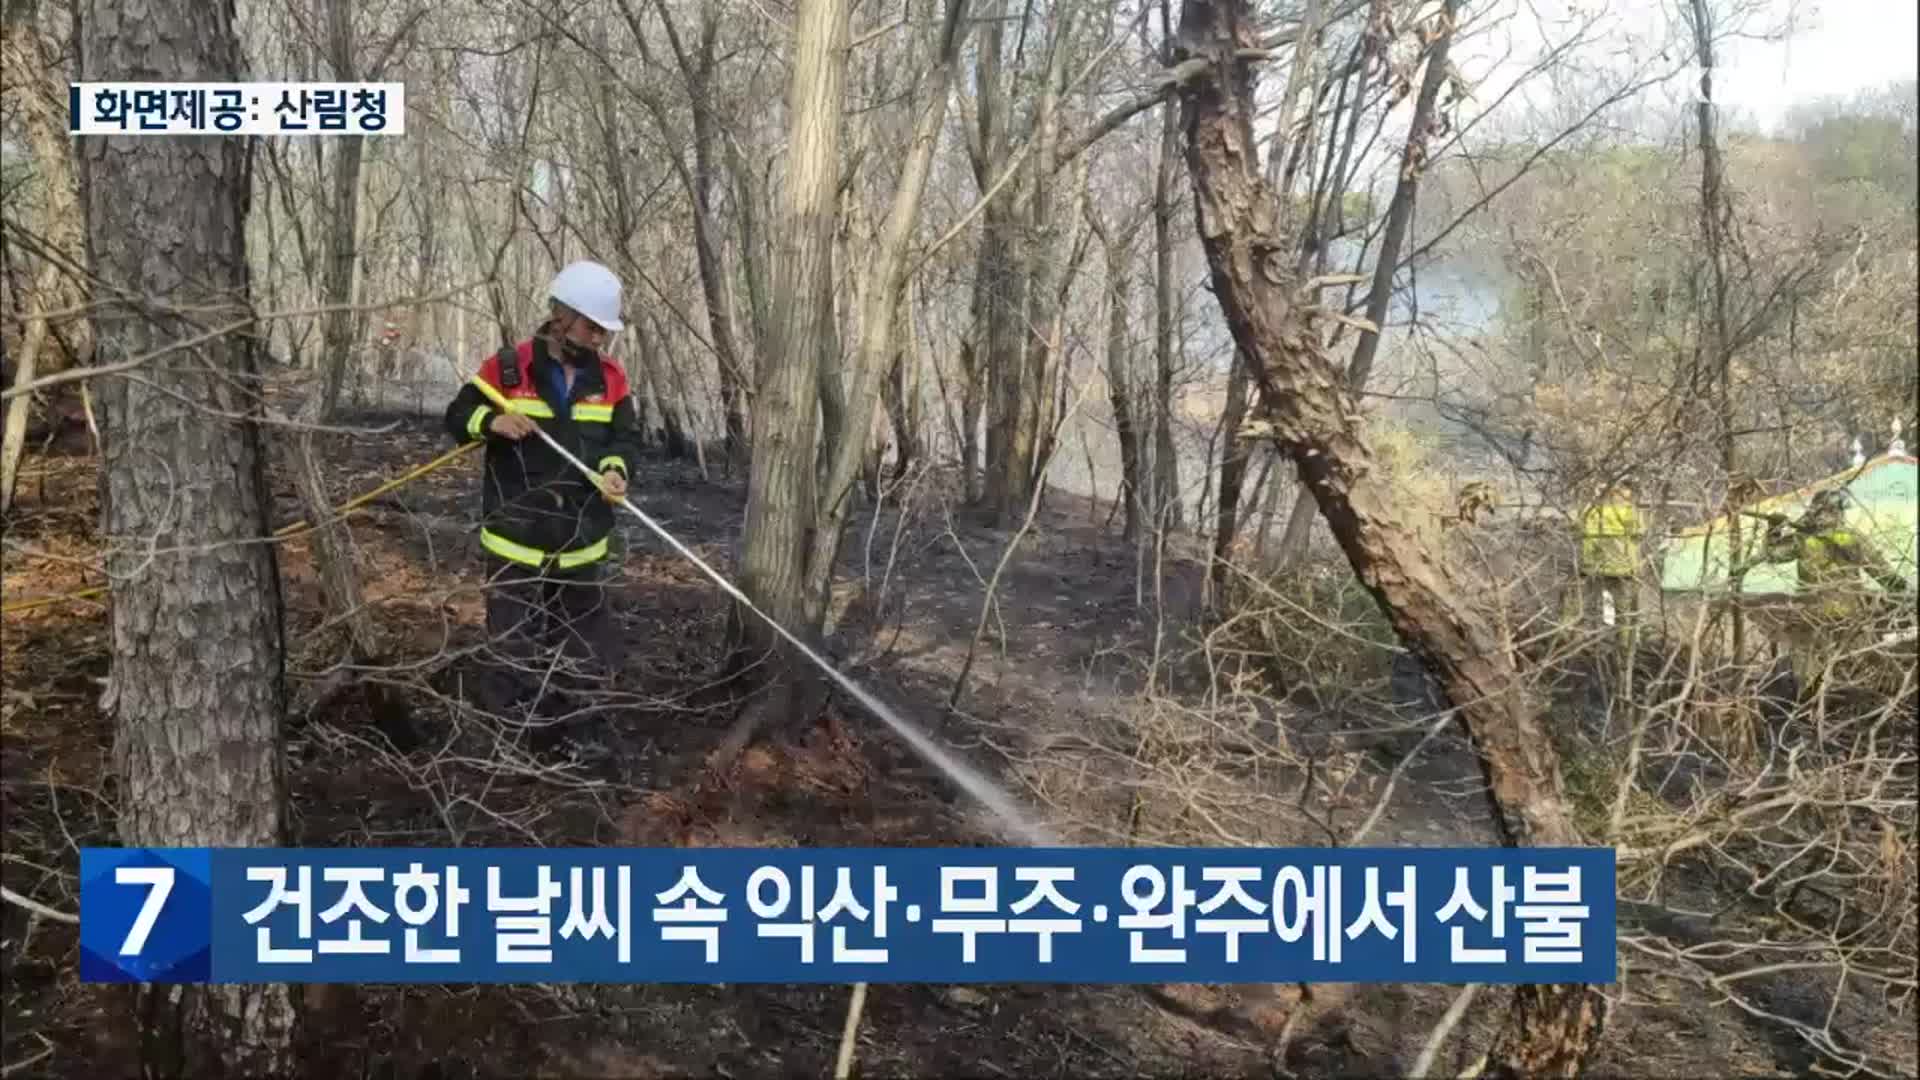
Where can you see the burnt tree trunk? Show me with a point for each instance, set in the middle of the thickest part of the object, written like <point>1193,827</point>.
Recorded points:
<point>1549,1030</point>
<point>198,683</point>
<point>1233,475</point>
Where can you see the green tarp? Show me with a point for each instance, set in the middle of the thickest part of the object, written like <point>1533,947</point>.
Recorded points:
<point>1884,507</point>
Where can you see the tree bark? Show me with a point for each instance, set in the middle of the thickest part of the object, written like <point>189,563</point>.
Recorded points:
<point>337,333</point>
<point>1550,1030</point>
<point>1267,512</point>
<point>197,687</point>
<point>746,199</point>
<point>973,381</point>
<point>331,544</point>
<point>905,421</point>
<point>1119,368</point>
<point>782,477</point>
<point>714,288</point>
<point>1033,324</point>
<point>673,434</point>
<point>1164,505</point>
<point>1000,338</point>
<point>13,444</point>
<point>1233,473</point>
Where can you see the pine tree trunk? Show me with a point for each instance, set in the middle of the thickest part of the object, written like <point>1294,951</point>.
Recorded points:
<point>1550,1030</point>
<point>197,688</point>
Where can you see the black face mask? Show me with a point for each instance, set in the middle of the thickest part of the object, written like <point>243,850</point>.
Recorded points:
<point>570,352</point>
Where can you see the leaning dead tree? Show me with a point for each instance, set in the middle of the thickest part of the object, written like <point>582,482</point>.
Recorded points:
<point>1303,399</point>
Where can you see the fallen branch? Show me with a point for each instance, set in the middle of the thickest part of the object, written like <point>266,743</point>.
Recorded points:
<point>37,907</point>
<point>843,1065</point>
<point>1423,1065</point>
<point>9,1070</point>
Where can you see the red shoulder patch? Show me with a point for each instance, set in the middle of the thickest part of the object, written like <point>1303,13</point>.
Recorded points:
<point>615,377</point>
<point>523,358</point>
<point>490,370</point>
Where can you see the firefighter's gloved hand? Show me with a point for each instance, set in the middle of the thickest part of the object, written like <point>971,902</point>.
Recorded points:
<point>613,485</point>
<point>511,426</point>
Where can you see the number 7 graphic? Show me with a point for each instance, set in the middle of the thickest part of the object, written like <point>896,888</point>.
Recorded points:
<point>161,880</point>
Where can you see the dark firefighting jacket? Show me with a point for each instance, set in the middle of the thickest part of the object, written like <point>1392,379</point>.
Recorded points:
<point>536,508</point>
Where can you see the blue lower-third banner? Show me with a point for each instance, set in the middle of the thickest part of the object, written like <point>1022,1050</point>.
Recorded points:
<point>883,915</point>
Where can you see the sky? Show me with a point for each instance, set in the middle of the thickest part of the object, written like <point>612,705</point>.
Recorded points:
<point>1842,47</point>
<point>1816,49</point>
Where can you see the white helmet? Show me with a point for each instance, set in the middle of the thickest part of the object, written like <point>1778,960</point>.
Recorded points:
<point>591,290</point>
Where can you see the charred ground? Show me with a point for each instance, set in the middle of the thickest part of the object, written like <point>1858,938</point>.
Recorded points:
<point>385,756</point>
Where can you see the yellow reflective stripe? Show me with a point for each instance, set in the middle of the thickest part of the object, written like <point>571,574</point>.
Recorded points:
<point>611,461</point>
<point>507,549</point>
<point>582,556</point>
<point>1612,520</point>
<point>478,421</point>
<point>532,406</point>
<point>600,414</point>
<point>532,556</point>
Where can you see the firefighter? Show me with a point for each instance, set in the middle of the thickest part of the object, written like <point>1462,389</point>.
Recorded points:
<point>1611,531</point>
<point>1828,558</point>
<point>545,529</point>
